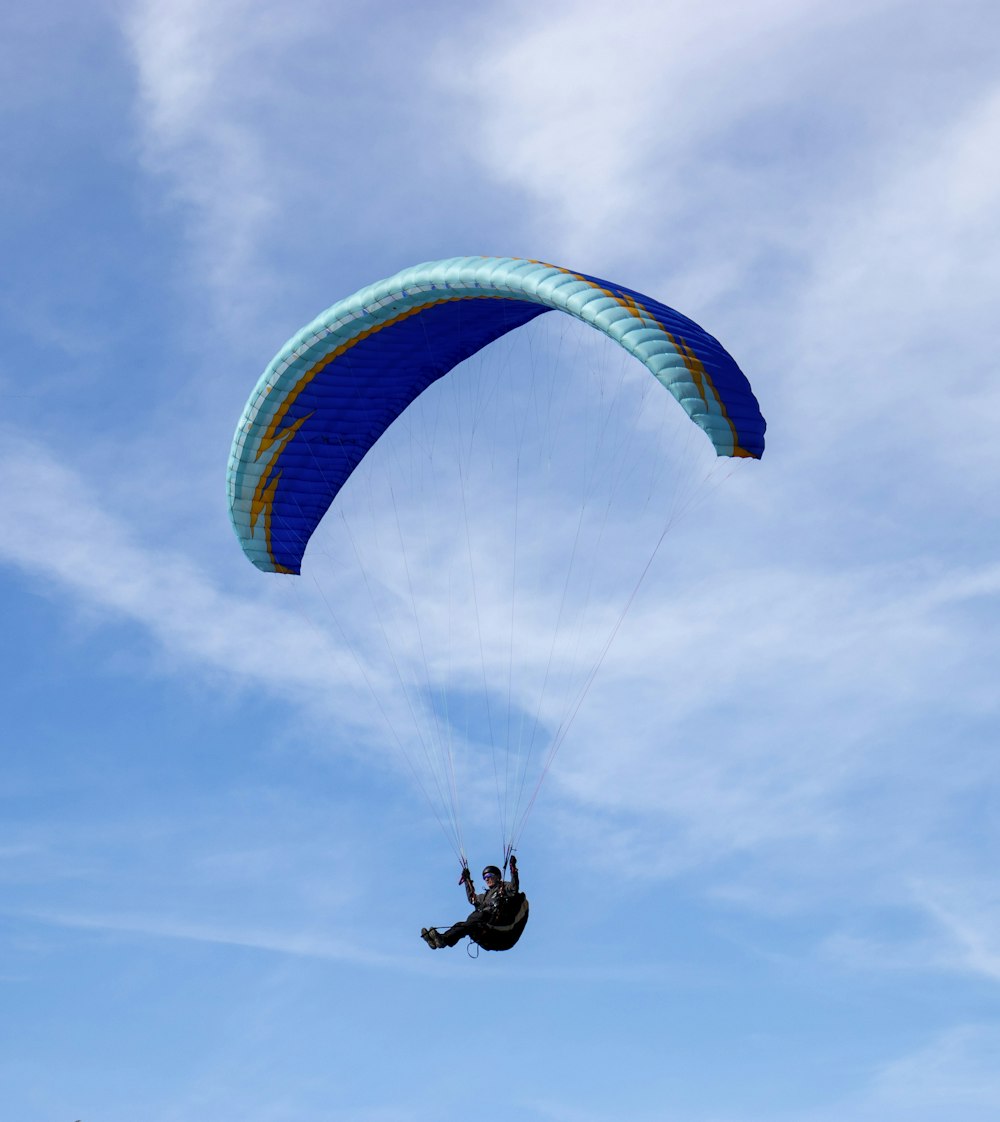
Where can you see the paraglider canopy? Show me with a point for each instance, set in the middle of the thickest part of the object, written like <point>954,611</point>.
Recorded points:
<point>334,388</point>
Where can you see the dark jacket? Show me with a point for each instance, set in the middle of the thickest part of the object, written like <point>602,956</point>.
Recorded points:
<point>495,902</point>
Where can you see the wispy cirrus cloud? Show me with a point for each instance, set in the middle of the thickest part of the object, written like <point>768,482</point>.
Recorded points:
<point>277,941</point>
<point>292,140</point>
<point>954,928</point>
<point>755,742</point>
<point>956,1073</point>
<point>601,120</point>
<point>715,744</point>
<point>893,328</point>
<point>66,538</point>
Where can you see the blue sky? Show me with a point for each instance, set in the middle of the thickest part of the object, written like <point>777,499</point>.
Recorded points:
<point>763,867</point>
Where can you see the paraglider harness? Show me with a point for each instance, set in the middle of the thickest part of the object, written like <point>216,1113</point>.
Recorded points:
<point>502,936</point>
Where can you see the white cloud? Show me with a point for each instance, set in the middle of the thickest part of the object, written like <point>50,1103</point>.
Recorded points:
<point>966,911</point>
<point>953,924</point>
<point>209,75</point>
<point>64,538</point>
<point>621,128</point>
<point>956,1076</point>
<point>755,742</point>
<point>896,323</point>
<point>305,944</point>
<point>850,226</point>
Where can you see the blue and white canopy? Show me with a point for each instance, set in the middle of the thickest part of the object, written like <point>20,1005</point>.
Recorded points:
<point>333,389</point>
